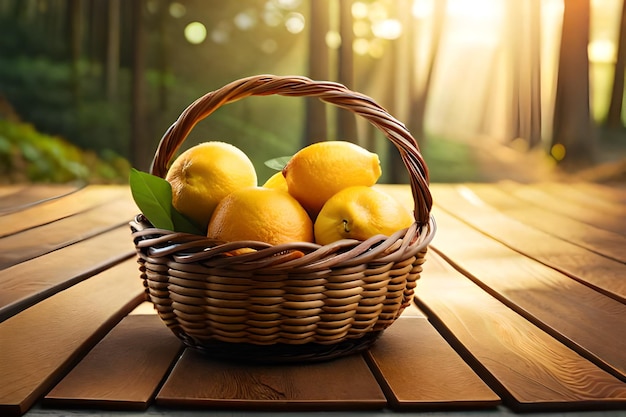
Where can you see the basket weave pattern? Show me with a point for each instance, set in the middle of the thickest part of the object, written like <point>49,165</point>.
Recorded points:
<point>296,294</point>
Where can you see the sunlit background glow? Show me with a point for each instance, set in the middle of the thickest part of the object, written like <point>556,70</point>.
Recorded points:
<point>467,70</point>
<point>473,56</point>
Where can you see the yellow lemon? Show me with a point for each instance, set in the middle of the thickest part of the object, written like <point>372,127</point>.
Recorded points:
<point>206,173</point>
<point>276,181</point>
<point>359,213</point>
<point>261,214</point>
<point>318,171</point>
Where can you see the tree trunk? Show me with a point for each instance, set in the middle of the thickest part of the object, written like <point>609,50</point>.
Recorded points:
<point>75,42</point>
<point>401,54</point>
<point>535,73</point>
<point>346,120</point>
<point>318,70</point>
<point>95,34</point>
<point>163,58</point>
<point>419,97</point>
<point>140,145</point>
<point>614,116</point>
<point>112,50</point>
<point>572,115</point>
<point>524,31</point>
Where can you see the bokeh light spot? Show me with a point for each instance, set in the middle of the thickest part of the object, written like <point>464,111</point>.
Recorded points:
<point>287,4</point>
<point>220,35</point>
<point>387,29</point>
<point>294,23</point>
<point>361,46</point>
<point>246,20</point>
<point>359,10</point>
<point>558,151</point>
<point>195,33</point>
<point>333,39</point>
<point>422,8</point>
<point>177,10</point>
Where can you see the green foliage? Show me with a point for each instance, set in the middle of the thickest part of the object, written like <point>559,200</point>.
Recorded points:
<point>28,155</point>
<point>450,161</point>
<point>46,93</point>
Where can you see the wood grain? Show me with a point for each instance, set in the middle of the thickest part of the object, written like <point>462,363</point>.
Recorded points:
<point>70,204</point>
<point>341,384</point>
<point>614,192</point>
<point>418,369</point>
<point>26,283</point>
<point>21,246</point>
<point>124,370</point>
<point>527,367</point>
<point>604,242</point>
<point>583,213</point>
<point>585,199</point>
<point>32,195</point>
<point>7,189</point>
<point>39,345</point>
<point>597,271</point>
<point>584,319</point>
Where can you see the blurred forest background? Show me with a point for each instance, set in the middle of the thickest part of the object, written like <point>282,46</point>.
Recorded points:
<point>88,87</point>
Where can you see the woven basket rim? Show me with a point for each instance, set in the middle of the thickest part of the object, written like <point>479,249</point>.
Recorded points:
<point>185,248</point>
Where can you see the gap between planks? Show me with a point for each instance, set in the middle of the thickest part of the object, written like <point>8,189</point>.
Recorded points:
<point>40,343</point>
<point>582,318</point>
<point>527,367</point>
<point>124,370</point>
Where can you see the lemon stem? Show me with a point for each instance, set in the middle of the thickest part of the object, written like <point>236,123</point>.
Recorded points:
<point>345,226</point>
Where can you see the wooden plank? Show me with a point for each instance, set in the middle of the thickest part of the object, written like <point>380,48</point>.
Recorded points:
<point>24,284</point>
<point>527,367</point>
<point>7,190</point>
<point>608,192</point>
<point>581,197</point>
<point>584,214</point>
<point>595,239</point>
<point>144,308</point>
<point>341,384</point>
<point>38,241</point>
<point>584,319</point>
<point>124,370</point>
<point>38,345</point>
<point>417,369</point>
<point>412,311</point>
<point>32,195</point>
<point>70,204</point>
<point>601,273</point>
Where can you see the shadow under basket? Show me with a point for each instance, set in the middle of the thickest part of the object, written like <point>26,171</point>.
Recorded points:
<point>294,302</point>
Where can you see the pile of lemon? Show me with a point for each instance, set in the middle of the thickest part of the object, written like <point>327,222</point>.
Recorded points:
<point>323,194</point>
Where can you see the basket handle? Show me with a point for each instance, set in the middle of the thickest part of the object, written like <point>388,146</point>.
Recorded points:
<point>296,86</point>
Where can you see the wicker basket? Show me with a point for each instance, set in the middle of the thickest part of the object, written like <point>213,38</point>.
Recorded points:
<point>271,305</point>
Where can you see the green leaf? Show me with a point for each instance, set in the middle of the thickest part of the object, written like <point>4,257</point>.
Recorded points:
<point>153,196</point>
<point>183,224</point>
<point>278,163</point>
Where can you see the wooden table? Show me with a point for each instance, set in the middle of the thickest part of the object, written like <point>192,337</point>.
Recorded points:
<point>520,308</point>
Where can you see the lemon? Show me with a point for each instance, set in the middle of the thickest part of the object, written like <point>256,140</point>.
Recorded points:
<point>261,214</point>
<point>206,173</point>
<point>276,181</point>
<point>320,170</point>
<point>360,212</point>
